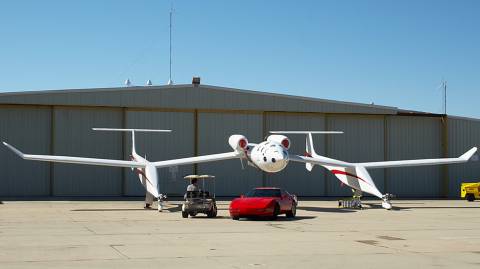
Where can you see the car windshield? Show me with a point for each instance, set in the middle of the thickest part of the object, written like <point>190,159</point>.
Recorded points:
<point>263,193</point>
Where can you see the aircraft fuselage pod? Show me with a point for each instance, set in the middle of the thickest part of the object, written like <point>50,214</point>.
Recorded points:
<point>269,156</point>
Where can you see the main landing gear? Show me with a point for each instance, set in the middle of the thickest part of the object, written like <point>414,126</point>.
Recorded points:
<point>355,202</point>
<point>149,201</point>
<point>386,201</point>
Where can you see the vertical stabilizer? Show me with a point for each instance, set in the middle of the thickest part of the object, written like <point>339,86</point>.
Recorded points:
<point>309,150</point>
<point>133,142</point>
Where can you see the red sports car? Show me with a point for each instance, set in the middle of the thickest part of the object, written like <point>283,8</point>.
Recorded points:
<point>264,202</point>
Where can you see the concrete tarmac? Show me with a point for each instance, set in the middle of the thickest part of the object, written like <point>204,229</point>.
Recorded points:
<point>120,234</point>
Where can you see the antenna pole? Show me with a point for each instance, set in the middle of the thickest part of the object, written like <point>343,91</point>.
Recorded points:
<point>170,81</point>
<point>445,97</point>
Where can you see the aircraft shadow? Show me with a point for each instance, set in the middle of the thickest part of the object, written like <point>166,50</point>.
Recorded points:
<point>327,209</point>
<point>396,207</point>
<point>177,208</point>
<point>205,217</point>
<point>110,209</point>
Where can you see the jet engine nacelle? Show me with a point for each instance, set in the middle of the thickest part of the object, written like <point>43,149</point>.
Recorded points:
<point>280,139</point>
<point>238,142</point>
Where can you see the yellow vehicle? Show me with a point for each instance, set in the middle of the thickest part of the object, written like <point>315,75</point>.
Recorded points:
<point>470,191</point>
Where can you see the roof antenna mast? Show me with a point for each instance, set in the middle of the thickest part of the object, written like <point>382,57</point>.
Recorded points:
<point>170,81</point>
<point>444,85</point>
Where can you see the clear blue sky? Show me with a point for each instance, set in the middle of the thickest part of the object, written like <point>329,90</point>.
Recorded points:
<point>388,52</point>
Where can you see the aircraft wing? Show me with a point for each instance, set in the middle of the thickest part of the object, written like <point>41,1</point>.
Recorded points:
<point>75,160</point>
<point>388,164</point>
<point>198,159</point>
<point>319,160</point>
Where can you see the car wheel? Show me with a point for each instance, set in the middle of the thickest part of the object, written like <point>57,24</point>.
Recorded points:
<point>470,197</point>
<point>276,212</point>
<point>292,212</point>
<point>184,214</point>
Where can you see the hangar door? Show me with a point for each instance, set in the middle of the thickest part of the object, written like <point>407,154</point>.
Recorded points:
<point>27,128</point>
<point>214,129</point>
<point>463,134</point>
<point>161,146</point>
<point>414,138</point>
<point>295,177</point>
<point>73,136</point>
<point>362,141</point>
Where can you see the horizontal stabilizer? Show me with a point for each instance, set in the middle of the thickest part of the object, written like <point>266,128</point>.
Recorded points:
<point>306,132</point>
<point>131,130</point>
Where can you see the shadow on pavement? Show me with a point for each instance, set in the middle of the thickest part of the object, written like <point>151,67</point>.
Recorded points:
<point>404,207</point>
<point>111,209</point>
<point>327,209</point>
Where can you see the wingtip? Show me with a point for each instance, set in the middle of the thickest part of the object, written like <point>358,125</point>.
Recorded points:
<point>467,155</point>
<point>12,148</point>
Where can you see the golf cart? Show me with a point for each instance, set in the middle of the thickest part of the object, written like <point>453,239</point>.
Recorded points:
<point>199,201</point>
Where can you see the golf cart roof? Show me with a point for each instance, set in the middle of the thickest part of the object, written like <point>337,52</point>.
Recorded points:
<point>190,177</point>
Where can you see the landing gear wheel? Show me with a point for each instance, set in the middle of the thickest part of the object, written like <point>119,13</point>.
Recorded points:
<point>184,214</point>
<point>470,197</point>
<point>293,212</point>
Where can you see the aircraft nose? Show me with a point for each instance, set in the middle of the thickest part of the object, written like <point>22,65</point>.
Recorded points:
<point>279,156</point>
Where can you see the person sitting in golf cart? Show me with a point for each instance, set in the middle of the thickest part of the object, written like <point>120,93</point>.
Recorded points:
<point>193,185</point>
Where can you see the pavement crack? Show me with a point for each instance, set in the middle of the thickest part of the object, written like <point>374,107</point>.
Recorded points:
<point>386,237</point>
<point>119,252</point>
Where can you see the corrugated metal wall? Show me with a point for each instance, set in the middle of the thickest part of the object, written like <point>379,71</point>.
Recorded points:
<point>414,138</point>
<point>214,129</point>
<point>363,141</point>
<point>463,134</point>
<point>366,138</point>
<point>161,146</point>
<point>28,128</point>
<point>295,178</point>
<point>73,136</point>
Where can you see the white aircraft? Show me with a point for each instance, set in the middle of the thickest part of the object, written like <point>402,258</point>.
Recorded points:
<point>269,156</point>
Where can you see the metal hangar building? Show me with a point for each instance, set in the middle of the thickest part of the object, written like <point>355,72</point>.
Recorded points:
<point>202,118</point>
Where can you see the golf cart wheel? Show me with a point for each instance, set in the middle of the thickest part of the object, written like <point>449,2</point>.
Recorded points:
<point>470,197</point>
<point>184,214</point>
<point>293,212</point>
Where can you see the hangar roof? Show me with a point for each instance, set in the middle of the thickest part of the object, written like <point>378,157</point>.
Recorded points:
<point>189,96</point>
